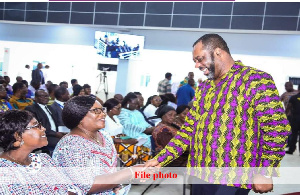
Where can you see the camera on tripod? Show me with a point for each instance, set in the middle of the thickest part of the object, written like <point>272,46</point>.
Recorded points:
<point>103,77</point>
<point>107,67</point>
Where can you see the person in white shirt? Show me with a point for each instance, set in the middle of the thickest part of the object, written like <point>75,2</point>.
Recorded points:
<point>73,82</point>
<point>151,106</point>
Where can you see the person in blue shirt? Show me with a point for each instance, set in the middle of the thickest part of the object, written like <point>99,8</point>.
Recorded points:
<point>185,93</point>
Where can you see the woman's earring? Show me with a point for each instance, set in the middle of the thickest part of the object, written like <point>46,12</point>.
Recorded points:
<point>21,143</point>
<point>127,105</point>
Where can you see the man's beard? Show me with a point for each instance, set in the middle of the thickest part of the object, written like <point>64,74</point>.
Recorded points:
<point>212,68</point>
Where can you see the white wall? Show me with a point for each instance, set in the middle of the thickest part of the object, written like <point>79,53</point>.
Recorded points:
<point>77,61</point>
<point>74,57</point>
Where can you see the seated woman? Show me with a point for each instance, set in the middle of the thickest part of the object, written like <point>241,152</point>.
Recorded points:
<point>134,123</point>
<point>91,151</point>
<point>88,91</point>
<point>151,107</point>
<point>26,172</point>
<point>181,111</point>
<point>78,90</point>
<point>128,152</point>
<point>165,131</point>
<point>4,104</point>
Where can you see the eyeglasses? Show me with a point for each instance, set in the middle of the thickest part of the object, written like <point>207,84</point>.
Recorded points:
<point>99,110</point>
<point>38,125</point>
<point>157,100</point>
<point>118,108</point>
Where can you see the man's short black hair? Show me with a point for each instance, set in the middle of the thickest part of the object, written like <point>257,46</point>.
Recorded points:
<point>73,81</point>
<point>212,41</point>
<point>63,82</point>
<point>168,75</point>
<point>59,92</point>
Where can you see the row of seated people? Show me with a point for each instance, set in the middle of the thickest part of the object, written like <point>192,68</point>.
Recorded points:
<point>84,116</point>
<point>49,113</point>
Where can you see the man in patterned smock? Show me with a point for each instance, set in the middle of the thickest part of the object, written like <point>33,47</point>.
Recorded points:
<point>237,120</point>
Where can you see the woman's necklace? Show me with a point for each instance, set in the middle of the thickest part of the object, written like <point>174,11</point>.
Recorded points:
<point>21,163</point>
<point>92,137</point>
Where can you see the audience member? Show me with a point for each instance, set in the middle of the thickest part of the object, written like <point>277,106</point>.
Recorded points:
<point>85,117</point>
<point>88,91</point>
<point>128,152</point>
<point>8,93</point>
<point>140,98</point>
<point>182,112</point>
<point>151,108</point>
<point>29,94</point>
<point>45,114</point>
<point>171,100</point>
<point>34,85</point>
<point>64,84</point>
<point>285,97</point>
<point>73,82</point>
<point>185,93</point>
<point>18,100</point>
<point>294,107</point>
<point>26,172</point>
<point>119,97</point>
<point>78,90</point>
<point>8,86</point>
<point>186,79</point>
<point>37,74</point>
<point>19,79</point>
<point>164,86</point>
<point>51,89</point>
<point>165,131</point>
<point>61,97</point>
<point>135,126</point>
<point>4,104</point>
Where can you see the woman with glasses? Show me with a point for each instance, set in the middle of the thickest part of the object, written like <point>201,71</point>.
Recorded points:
<point>150,109</point>
<point>23,172</point>
<point>88,151</point>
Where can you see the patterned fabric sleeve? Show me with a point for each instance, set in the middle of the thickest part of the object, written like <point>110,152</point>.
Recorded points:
<point>274,126</point>
<point>179,144</point>
<point>83,177</point>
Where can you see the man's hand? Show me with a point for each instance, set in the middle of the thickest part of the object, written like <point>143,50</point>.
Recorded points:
<point>152,163</point>
<point>261,184</point>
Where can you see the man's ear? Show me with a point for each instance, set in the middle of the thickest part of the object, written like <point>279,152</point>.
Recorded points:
<point>218,51</point>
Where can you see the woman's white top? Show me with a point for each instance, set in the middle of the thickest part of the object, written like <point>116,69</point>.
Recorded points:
<point>112,127</point>
<point>149,112</point>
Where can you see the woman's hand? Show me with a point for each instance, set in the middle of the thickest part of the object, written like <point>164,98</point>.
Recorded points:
<point>149,130</point>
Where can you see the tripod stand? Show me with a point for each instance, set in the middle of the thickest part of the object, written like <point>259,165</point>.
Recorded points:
<point>103,80</point>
